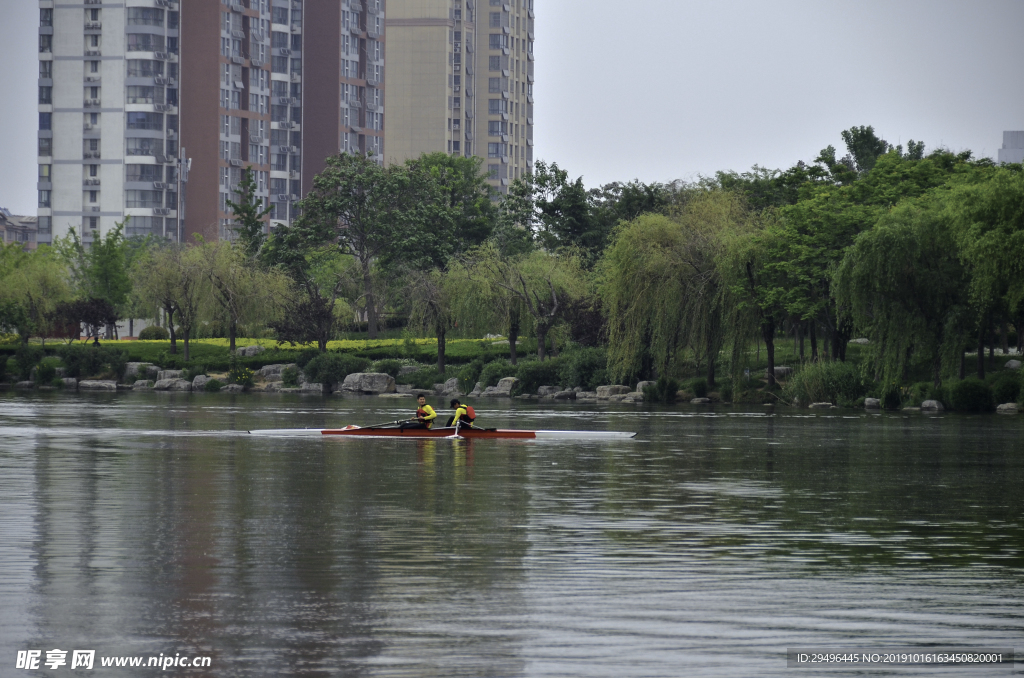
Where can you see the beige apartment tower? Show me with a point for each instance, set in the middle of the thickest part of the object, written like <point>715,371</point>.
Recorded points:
<point>460,80</point>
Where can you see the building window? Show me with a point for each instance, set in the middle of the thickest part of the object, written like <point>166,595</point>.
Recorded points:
<point>46,147</point>
<point>94,170</point>
<point>494,63</point>
<point>145,16</point>
<point>45,44</point>
<point>136,94</point>
<point>492,172</point>
<point>497,41</point>
<point>45,69</point>
<point>279,64</point>
<point>44,198</point>
<point>144,68</point>
<point>45,225</point>
<point>93,196</point>
<point>495,128</point>
<point>173,19</point>
<point>46,17</point>
<point>93,222</point>
<point>280,15</point>
<point>45,173</point>
<point>143,173</point>
<point>150,121</point>
<point>137,146</point>
<point>144,199</point>
<point>46,95</point>
<point>45,121</point>
<point>145,42</point>
<point>496,106</point>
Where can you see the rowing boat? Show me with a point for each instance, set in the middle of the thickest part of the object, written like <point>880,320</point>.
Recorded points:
<point>393,431</point>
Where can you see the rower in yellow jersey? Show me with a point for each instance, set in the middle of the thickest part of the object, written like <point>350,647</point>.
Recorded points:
<point>425,415</point>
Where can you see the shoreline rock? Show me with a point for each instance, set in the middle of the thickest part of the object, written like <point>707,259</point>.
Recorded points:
<point>97,385</point>
<point>369,383</point>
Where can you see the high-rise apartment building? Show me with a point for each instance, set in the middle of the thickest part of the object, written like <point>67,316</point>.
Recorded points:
<point>124,85</point>
<point>108,117</point>
<point>1013,147</point>
<point>460,80</point>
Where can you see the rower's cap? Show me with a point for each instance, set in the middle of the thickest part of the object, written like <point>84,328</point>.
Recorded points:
<point>454,402</point>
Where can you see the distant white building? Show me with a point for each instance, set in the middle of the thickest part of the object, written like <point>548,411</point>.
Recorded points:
<point>1013,147</point>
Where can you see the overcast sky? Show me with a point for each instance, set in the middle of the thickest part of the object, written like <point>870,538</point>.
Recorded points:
<point>670,89</point>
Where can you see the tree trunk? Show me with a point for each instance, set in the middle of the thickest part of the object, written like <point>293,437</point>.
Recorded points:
<point>712,354</point>
<point>170,328</point>
<point>371,302</point>
<point>1004,335</point>
<point>232,331</point>
<point>937,369</point>
<point>513,335</point>
<point>990,332</point>
<point>542,340</point>
<point>184,340</point>
<point>814,341</point>
<point>962,372</point>
<point>768,332</point>
<point>440,349</point>
<point>981,351</point>
<point>1019,325</point>
<point>800,336</point>
<point>131,327</point>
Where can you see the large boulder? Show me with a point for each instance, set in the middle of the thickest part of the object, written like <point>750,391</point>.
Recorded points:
<point>502,390</point>
<point>477,390</point>
<point>872,404</point>
<point>609,391</point>
<point>233,388</point>
<point>1012,365</point>
<point>932,406</point>
<point>820,406</point>
<point>862,341</point>
<point>644,384</point>
<point>309,387</point>
<point>781,372</point>
<point>451,387</point>
<point>164,375</point>
<point>565,395</point>
<point>700,401</point>
<point>97,385</point>
<point>249,351</point>
<point>70,383</point>
<point>172,385</point>
<point>135,371</point>
<point>369,383</point>
<point>199,383</point>
<point>143,385</point>
<point>275,372</point>
<point>32,384</point>
<point>548,390</point>
<point>1008,408</point>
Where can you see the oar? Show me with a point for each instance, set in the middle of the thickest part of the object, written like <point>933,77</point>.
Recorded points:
<point>388,423</point>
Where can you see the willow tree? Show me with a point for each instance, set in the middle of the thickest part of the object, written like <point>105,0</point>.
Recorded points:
<point>431,295</point>
<point>663,287</point>
<point>907,289</point>
<point>173,278</point>
<point>239,291</point>
<point>32,284</point>
<point>989,226</point>
<point>526,291</point>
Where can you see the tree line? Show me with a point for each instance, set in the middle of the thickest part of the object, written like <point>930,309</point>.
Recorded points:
<point>921,253</point>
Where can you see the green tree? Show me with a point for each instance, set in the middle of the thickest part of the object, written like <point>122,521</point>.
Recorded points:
<point>100,271</point>
<point>32,283</point>
<point>241,294</point>
<point>467,195</point>
<point>250,215</point>
<point>663,290</point>
<point>379,215</point>
<point>906,288</point>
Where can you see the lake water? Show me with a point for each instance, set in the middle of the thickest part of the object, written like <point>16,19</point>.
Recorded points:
<point>149,524</point>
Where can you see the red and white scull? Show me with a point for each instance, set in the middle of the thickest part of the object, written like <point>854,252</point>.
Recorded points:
<point>394,431</point>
